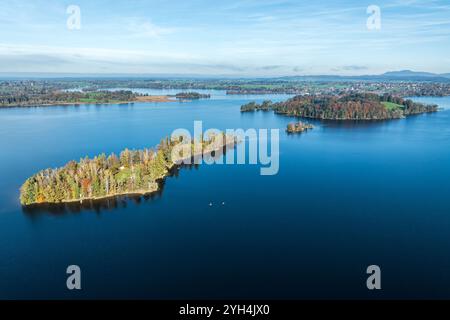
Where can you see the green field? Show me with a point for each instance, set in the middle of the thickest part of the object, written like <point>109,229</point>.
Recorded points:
<point>392,106</point>
<point>89,100</point>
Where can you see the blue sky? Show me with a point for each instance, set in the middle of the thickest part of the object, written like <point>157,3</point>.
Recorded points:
<point>242,38</point>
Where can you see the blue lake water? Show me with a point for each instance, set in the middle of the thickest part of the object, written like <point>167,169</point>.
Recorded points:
<point>348,195</point>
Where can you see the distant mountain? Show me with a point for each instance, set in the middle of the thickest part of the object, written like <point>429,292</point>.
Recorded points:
<point>414,74</point>
<point>403,75</point>
<point>408,73</point>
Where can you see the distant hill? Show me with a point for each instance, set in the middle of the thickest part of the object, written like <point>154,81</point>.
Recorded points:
<point>414,75</point>
<point>402,75</point>
<point>409,73</point>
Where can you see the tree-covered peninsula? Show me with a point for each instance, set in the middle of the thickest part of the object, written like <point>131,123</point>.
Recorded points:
<point>132,172</point>
<point>366,106</point>
<point>50,98</point>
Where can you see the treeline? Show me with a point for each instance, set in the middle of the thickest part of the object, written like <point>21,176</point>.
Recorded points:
<point>364,106</point>
<point>66,97</point>
<point>102,176</point>
<point>192,95</point>
<point>132,172</point>
<point>54,91</point>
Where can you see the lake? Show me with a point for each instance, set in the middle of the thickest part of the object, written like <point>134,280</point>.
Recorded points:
<point>347,195</point>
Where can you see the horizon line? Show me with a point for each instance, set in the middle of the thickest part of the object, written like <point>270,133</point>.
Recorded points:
<point>424,74</point>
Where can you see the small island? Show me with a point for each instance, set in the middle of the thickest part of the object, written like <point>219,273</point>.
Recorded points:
<point>298,127</point>
<point>365,106</point>
<point>135,172</point>
<point>253,106</point>
<point>191,96</point>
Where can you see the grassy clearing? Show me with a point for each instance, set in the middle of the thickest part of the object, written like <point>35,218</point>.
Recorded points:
<point>89,100</point>
<point>392,106</point>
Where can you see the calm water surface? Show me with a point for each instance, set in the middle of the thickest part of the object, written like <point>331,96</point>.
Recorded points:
<point>347,195</point>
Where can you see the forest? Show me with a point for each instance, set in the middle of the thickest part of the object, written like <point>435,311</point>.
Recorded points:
<point>131,172</point>
<point>360,106</point>
<point>24,99</point>
<point>192,96</point>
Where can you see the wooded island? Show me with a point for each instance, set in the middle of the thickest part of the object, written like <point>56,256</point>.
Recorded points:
<point>132,172</point>
<point>191,96</point>
<point>345,107</point>
<point>298,127</point>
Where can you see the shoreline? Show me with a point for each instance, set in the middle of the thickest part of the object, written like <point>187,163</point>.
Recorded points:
<point>143,99</point>
<point>131,193</point>
<point>355,119</point>
<point>156,185</point>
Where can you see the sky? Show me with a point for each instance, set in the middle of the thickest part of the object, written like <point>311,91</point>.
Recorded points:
<point>228,37</point>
